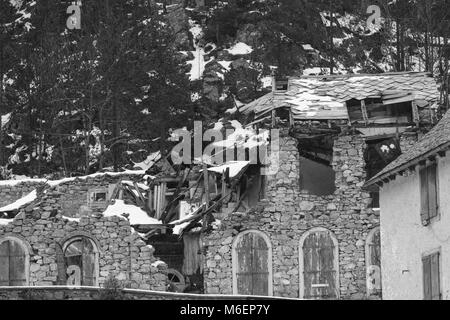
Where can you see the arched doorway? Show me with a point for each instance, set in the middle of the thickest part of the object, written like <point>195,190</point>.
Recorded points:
<point>14,262</point>
<point>252,264</point>
<point>81,261</point>
<point>319,265</point>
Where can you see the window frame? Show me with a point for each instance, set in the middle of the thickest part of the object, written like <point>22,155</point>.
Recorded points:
<point>27,251</point>
<point>91,197</point>
<point>235,261</point>
<point>301,266</point>
<point>69,241</point>
<point>425,217</point>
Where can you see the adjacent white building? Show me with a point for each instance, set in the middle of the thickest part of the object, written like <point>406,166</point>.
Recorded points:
<point>415,219</point>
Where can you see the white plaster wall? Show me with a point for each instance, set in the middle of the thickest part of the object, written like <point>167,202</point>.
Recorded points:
<point>404,240</point>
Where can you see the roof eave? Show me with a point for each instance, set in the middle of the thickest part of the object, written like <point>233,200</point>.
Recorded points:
<point>412,162</point>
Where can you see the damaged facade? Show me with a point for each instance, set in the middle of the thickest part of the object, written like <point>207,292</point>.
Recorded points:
<point>306,230</point>
<point>314,233</point>
<point>414,219</point>
<point>57,235</point>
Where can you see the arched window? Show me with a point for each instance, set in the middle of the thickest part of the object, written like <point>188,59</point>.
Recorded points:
<point>319,264</point>
<point>373,263</point>
<point>252,264</point>
<point>14,262</point>
<point>81,261</point>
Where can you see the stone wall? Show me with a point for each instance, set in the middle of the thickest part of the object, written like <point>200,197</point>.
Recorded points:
<point>72,192</point>
<point>11,191</point>
<point>287,213</point>
<point>121,253</point>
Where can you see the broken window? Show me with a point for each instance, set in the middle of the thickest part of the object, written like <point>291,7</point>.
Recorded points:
<point>379,153</point>
<point>378,111</point>
<point>13,263</point>
<point>81,261</point>
<point>97,197</point>
<point>317,176</point>
<point>281,83</point>
<point>164,192</point>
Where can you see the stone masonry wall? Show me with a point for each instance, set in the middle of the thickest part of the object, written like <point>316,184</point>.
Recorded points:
<point>121,253</point>
<point>11,191</point>
<point>73,193</point>
<point>287,213</point>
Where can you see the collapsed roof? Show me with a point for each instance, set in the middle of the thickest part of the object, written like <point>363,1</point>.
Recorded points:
<point>324,97</point>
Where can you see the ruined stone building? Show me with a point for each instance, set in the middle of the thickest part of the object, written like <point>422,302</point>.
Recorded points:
<point>314,231</point>
<point>56,233</point>
<point>306,229</point>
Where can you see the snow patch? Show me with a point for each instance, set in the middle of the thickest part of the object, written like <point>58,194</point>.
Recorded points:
<point>4,222</point>
<point>240,48</point>
<point>149,161</point>
<point>130,212</point>
<point>20,202</point>
<point>235,168</point>
<point>5,119</point>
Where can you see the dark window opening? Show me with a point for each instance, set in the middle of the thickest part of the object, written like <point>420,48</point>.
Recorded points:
<point>378,112</point>
<point>281,83</point>
<point>354,110</point>
<point>317,176</point>
<point>100,196</point>
<point>379,153</point>
<point>282,115</point>
<point>375,195</point>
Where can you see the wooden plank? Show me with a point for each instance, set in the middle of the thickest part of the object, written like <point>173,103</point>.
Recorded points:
<point>424,214</point>
<point>364,111</point>
<point>426,266</point>
<point>432,191</point>
<point>17,275</point>
<point>4,263</point>
<point>435,277</point>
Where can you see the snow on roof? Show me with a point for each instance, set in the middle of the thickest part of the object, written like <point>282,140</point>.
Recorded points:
<point>53,183</point>
<point>20,202</point>
<point>324,97</point>
<point>178,228</point>
<point>243,137</point>
<point>240,48</point>
<point>235,167</point>
<point>131,184</point>
<point>133,213</point>
<point>149,161</point>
